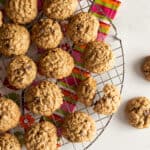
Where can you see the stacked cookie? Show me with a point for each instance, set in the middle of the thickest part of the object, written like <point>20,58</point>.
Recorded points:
<point>46,97</point>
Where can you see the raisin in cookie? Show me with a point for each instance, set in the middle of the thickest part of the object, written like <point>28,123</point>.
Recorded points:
<point>110,101</point>
<point>78,127</point>
<point>47,34</point>
<point>83,28</point>
<point>86,91</point>
<point>21,72</point>
<point>41,136</point>
<point>44,98</point>
<point>14,39</point>
<point>146,68</point>
<point>138,112</point>
<point>9,142</point>
<point>60,9</point>
<point>56,63</point>
<point>98,57</point>
<point>21,11</point>
<point>9,114</point>
<point>1,18</point>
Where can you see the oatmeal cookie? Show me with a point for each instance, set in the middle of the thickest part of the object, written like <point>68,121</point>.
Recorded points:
<point>60,9</point>
<point>138,112</point>
<point>83,28</point>
<point>47,34</point>
<point>1,18</point>
<point>9,142</point>
<point>44,98</point>
<point>78,127</point>
<point>146,68</point>
<point>98,57</point>
<point>21,11</point>
<point>56,63</point>
<point>21,72</point>
<point>9,114</point>
<point>86,91</point>
<point>110,101</point>
<point>41,136</point>
<point>14,39</point>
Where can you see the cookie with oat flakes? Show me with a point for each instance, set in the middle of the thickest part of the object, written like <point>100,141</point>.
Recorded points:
<point>59,9</point>
<point>138,112</point>
<point>78,127</point>
<point>9,114</point>
<point>21,72</point>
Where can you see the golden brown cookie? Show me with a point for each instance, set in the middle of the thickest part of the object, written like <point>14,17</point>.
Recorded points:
<point>47,34</point>
<point>86,91</point>
<point>56,63</point>
<point>98,57</point>
<point>21,11</point>
<point>83,28</point>
<point>44,98</point>
<point>78,127</point>
<point>138,112</point>
<point>14,39</point>
<point>110,101</point>
<point>21,72</point>
<point>41,136</point>
<point>60,9</point>
<point>146,68</point>
<point>9,114</point>
<point>9,142</point>
<point>1,18</point>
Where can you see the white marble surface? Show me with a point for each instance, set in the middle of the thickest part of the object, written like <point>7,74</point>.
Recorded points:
<point>133,22</point>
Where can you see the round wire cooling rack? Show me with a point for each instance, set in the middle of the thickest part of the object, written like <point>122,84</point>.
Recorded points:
<point>114,76</point>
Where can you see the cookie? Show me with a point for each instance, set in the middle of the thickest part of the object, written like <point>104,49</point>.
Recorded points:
<point>78,127</point>
<point>14,39</point>
<point>98,57</point>
<point>41,136</point>
<point>60,9</point>
<point>83,28</point>
<point>46,34</point>
<point>1,18</point>
<point>9,142</point>
<point>86,91</point>
<point>9,114</point>
<point>146,68</point>
<point>21,72</point>
<point>138,112</point>
<point>44,98</point>
<point>56,63</point>
<point>21,11</point>
<point>110,101</point>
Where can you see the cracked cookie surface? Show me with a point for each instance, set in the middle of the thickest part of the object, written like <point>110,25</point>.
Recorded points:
<point>86,91</point>
<point>9,114</point>
<point>78,127</point>
<point>110,101</point>
<point>9,142</point>
<point>14,39</point>
<point>60,9</point>
<point>83,28</point>
<point>44,98</point>
<point>138,112</point>
<point>21,11</point>
<point>21,72</point>
<point>98,57</point>
<point>56,63</point>
<point>41,136</point>
<point>46,34</point>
